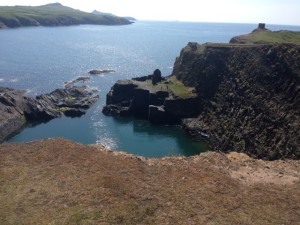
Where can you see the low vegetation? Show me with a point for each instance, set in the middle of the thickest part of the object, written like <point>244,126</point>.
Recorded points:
<point>267,36</point>
<point>52,15</point>
<point>57,181</point>
<point>172,85</point>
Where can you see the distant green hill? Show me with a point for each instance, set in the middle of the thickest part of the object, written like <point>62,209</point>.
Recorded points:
<point>265,36</point>
<point>53,15</point>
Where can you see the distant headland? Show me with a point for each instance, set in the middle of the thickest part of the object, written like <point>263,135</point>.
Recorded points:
<point>54,14</point>
<point>262,35</point>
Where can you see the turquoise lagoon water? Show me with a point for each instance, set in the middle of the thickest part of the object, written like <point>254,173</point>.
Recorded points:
<point>41,59</point>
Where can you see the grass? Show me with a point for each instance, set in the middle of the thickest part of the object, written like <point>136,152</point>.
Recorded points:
<point>272,37</point>
<point>179,89</point>
<point>53,14</point>
<point>172,85</point>
<point>55,181</point>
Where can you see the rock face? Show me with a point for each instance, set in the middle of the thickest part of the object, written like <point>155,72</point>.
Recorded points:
<point>249,95</point>
<point>136,98</point>
<point>12,105</point>
<point>16,108</point>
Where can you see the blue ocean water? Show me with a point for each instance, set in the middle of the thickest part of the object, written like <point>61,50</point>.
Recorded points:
<point>41,59</point>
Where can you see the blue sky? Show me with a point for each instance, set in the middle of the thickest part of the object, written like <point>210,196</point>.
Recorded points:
<point>237,11</point>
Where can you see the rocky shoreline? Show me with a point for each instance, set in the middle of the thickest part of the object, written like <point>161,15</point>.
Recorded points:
<point>16,108</point>
<point>245,98</point>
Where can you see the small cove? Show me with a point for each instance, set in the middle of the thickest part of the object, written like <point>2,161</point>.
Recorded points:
<point>42,59</point>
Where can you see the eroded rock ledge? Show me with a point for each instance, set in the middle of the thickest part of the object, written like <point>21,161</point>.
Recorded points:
<point>16,108</point>
<point>153,98</point>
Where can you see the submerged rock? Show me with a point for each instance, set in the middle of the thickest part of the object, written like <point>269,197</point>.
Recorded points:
<point>78,79</point>
<point>95,72</point>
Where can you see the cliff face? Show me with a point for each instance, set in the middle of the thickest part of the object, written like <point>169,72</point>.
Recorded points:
<point>144,100</point>
<point>12,106</point>
<point>250,97</point>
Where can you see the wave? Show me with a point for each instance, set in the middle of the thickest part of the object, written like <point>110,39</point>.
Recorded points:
<point>107,142</point>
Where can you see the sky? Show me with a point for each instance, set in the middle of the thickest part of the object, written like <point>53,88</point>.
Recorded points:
<point>286,12</point>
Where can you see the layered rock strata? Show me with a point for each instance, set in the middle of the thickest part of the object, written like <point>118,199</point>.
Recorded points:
<point>250,97</point>
<point>247,98</point>
<point>16,108</point>
<point>135,98</point>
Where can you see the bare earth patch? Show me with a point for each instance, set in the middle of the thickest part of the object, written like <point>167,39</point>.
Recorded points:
<point>56,181</point>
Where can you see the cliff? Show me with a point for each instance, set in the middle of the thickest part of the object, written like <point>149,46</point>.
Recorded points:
<point>250,97</point>
<point>243,98</point>
<point>53,15</point>
<point>16,108</point>
<point>56,181</point>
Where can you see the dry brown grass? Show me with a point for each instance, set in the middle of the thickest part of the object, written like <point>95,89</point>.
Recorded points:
<point>56,181</point>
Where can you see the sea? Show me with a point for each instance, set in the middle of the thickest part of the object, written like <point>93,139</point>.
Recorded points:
<point>41,59</point>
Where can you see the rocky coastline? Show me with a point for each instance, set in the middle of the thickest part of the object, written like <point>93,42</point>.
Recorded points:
<point>152,98</point>
<point>246,98</point>
<point>16,108</point>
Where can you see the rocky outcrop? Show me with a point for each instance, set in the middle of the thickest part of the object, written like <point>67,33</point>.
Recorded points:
<point>16,108</point>
<point>70,102</point>
<point>141,98</point>
<point>249,97</point>
<point>12,105</point>
<point>97,72</point>
<point>156,77</point>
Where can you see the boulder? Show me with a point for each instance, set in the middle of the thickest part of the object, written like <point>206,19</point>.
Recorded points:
<point>156,77</point>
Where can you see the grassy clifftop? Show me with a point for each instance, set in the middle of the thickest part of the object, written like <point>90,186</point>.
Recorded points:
<point>265,36</point>
<point>57,181</point>
<point>52,15</point>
